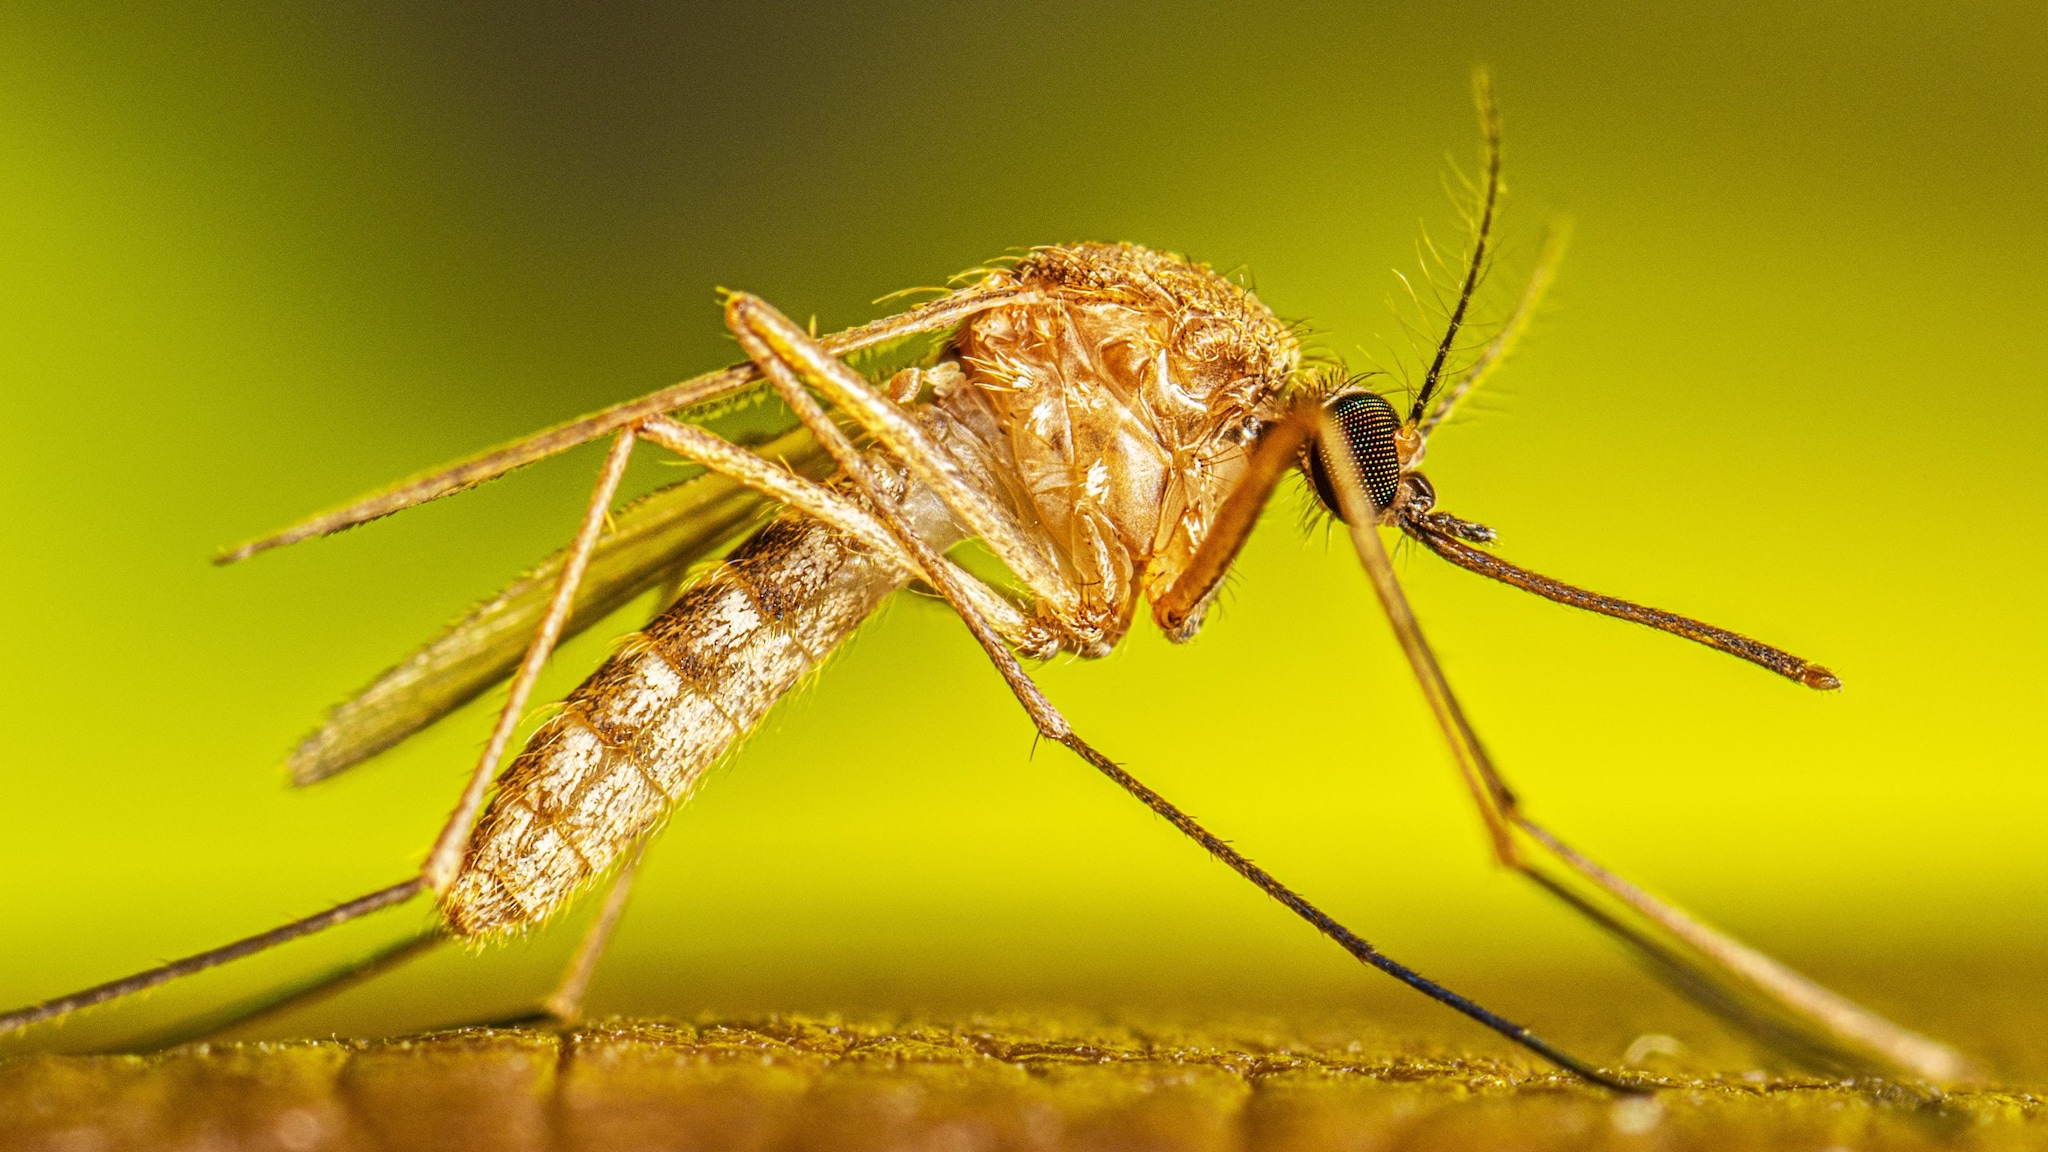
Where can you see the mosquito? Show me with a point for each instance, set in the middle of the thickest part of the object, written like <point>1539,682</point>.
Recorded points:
<point>1108,421</point>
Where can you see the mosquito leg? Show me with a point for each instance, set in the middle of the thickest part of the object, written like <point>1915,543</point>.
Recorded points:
<point>468,473</point>
<point>1053,726</point>
<point>1849,1025</point>
<point>301,995</point>
<point>376,901</point>
<point>773,480</point>
<point>822,503</point>
<point>770,338</point>
<point>1271,458</point>
<point>1831,1021</point>
<point>446,855</point>
<point>564,1005</point>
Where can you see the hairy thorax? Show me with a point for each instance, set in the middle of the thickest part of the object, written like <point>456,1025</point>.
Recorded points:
<point>1116,411</point>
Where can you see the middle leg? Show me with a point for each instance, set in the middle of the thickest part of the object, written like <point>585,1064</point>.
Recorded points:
<point>564,1005</point>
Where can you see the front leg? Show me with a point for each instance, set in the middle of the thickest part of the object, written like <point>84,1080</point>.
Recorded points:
<point>1744,986</point>
<point>1178,611</point>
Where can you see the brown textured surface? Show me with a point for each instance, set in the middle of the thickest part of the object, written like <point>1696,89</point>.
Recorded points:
<point>810,1084</point>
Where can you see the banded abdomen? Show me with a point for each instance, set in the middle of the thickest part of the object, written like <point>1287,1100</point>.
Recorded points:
<point>632,742</point>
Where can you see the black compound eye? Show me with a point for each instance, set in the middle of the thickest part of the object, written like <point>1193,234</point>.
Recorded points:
<point>1368,424</point>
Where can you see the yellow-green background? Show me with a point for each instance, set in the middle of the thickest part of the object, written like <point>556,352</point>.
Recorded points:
<point>1790,381</point>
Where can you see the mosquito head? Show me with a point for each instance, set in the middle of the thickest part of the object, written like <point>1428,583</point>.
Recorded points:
<point>1384,452</point>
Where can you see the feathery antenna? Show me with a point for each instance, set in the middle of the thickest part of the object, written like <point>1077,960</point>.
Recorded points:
<point>1489,130</point>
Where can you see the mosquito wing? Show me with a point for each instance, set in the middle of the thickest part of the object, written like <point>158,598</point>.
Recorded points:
<point>651,539</point>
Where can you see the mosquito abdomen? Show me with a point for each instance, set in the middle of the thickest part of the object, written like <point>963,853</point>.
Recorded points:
<point>632,742</point>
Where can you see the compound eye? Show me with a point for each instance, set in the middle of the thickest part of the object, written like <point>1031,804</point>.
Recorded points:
<point>1368,424</point>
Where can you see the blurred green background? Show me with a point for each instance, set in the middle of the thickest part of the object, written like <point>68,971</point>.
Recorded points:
<point>1789,382</point>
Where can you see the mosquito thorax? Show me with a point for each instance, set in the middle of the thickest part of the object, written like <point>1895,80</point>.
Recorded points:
<point>1369,426</point>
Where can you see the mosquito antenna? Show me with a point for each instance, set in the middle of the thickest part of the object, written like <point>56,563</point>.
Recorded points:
<point>1497,349</point>
<point>1440,539</point>
<point>1489,129</point>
